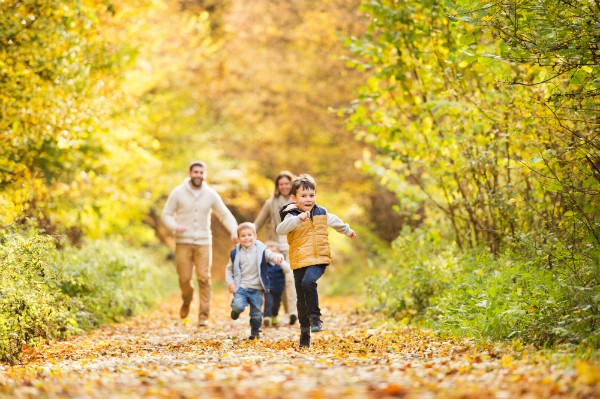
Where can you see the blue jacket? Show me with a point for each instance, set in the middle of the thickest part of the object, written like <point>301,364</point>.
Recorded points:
<point>261,262</point>
<point>276,278</point>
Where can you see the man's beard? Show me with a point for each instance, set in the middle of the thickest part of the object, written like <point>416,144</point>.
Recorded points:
<point>193,181</point>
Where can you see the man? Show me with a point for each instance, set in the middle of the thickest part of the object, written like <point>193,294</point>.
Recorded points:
<point>187,212</point>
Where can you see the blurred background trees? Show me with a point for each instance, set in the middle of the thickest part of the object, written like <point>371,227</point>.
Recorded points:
<point>463,133</point>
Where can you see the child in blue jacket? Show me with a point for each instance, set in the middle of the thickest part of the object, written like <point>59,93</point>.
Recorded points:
<point>276,285</point>
<point>246,275</point>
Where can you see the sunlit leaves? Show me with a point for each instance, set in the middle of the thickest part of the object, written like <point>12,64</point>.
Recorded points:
<point>357,356</point>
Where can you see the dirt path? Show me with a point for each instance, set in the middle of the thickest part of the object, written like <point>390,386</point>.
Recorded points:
<point>156,355</point>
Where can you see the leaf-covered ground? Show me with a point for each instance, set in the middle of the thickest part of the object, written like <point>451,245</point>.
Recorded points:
<point>157,355</point>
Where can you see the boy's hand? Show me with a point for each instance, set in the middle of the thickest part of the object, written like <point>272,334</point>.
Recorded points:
<point>232,288</point>
<point>353,235</point>
<point>278,259</point>
<point>304,215</point>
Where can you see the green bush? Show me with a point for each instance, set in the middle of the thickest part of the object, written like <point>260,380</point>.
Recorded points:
<point>50,294</point>
<point>509,297</point>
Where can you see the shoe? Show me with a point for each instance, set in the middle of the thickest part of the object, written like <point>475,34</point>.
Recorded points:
<point>235,315</point>
<point>274,321</point>
<point>185,310</point>
<point>203,323</point>
<point>267,322</point>
<point>293,319</point>
<point>316,325</point>
<point>305,337</point>
<point>254,335</point>
<point>316,328</point>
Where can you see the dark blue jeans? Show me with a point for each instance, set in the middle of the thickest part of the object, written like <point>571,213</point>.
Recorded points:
<point>272,303</point>
<point>248,296</point>
<point>306,291</point>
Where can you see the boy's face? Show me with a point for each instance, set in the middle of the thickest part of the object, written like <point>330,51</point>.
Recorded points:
<point>247,237</point>
<point>305,199</point>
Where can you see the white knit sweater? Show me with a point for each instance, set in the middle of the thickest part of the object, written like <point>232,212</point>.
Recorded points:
<point>184,208</point>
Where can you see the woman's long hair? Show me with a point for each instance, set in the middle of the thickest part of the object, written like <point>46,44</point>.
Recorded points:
<point>283,174</point>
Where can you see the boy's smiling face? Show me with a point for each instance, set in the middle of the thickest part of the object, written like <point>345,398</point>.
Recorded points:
<point>247,237</point>
<point>305,199</point>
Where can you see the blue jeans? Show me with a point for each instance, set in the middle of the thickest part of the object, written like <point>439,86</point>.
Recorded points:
<point>306,291</point>
<point>272,303</point>
<point>248,296</point>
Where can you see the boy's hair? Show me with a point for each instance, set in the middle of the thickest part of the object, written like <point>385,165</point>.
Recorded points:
<point>305,181</point>
<point>197,163</point>
<point>246,226</point>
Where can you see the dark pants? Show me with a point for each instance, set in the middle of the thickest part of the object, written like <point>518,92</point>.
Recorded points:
<point>272,303</point>
<point>306,291</point>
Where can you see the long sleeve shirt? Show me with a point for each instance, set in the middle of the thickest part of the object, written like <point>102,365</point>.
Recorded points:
<point>192,209</point>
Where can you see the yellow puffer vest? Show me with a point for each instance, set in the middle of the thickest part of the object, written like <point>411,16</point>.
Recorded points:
<point>309,243</point>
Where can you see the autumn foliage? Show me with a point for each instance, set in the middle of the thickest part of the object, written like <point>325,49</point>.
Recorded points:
<point>460,138</point>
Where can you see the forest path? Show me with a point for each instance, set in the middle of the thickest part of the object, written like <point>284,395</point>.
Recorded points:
<point>156,355</point>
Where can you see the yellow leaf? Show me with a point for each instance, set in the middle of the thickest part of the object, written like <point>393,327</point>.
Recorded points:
<point>587,373</point>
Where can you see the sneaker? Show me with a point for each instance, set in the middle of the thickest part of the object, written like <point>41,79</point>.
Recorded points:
<point>274,321</point>
<point>234,315</point>
<point>185,310</point>
<point>293,319</point>
<point>254,335</point>
<point>316,327</point>
<point>304,337</point>
<point>203,323</point>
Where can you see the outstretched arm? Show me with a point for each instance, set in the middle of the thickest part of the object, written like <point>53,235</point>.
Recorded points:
<point>226,217</point>
<point>338,225</point>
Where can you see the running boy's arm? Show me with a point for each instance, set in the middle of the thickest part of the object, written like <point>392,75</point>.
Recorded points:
<point>273,257</point>
<point>338,225</point>
<point>229,277</point>
<point>288,224</point>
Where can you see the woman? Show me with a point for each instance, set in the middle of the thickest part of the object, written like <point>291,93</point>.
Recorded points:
<point>269,216</point>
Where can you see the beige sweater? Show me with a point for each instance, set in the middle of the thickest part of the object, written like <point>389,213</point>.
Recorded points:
<point>184,208</point>
<point>269,217</point>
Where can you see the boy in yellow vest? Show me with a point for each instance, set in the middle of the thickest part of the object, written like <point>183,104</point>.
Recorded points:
<point>305,224</point>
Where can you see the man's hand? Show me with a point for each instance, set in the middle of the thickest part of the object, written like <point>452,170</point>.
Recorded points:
<point>180,229</point>
<point>353,235</point>
<point>235,238</point>
<point>278,259</point>
<point>304,215</point>
<point>232,288</point>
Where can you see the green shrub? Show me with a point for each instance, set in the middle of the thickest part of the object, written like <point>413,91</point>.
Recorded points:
<point>512,296</point>
<point>413,271</point>
<point>50,294</point>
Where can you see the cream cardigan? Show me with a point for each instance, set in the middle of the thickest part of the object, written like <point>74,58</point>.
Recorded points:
<point>185,208</point>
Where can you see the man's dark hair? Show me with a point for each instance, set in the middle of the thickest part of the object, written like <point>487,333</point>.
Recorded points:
<point>197,163</point>
<point>305,182</point>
